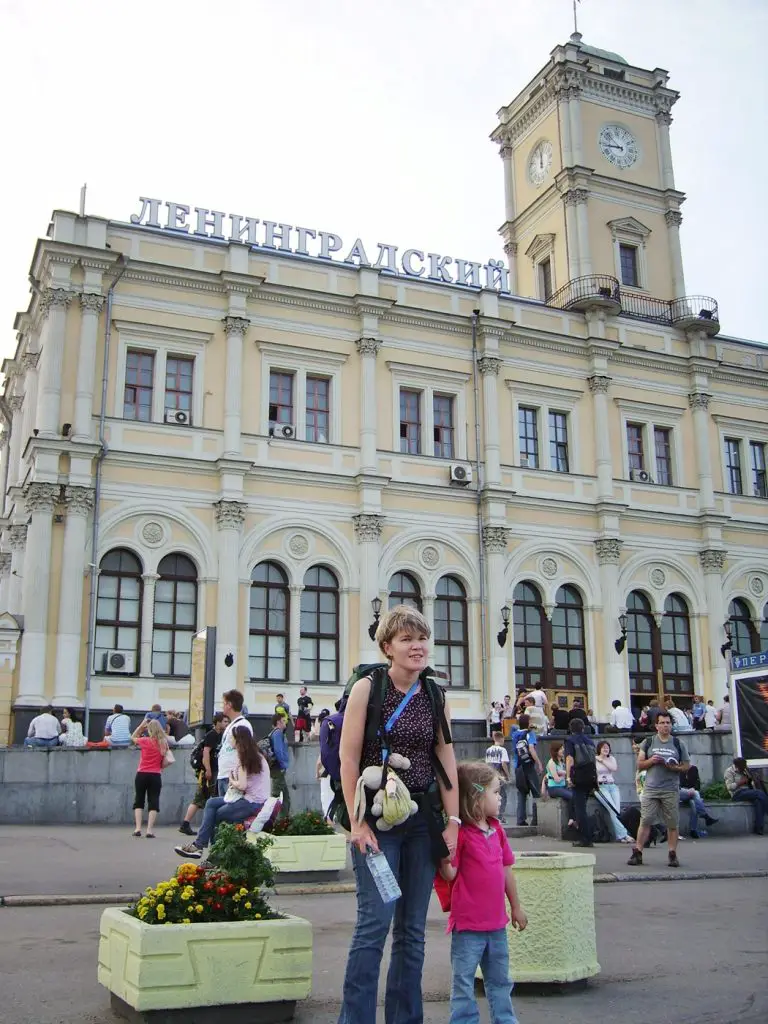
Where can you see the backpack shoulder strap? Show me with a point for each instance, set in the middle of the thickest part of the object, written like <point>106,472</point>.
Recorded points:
<point>678,748</point>
<point>379,682</point>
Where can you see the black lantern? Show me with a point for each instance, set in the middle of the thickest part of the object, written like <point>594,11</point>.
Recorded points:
<point>728,645</point>
<point>503,633</point>
<point>622,640</point>
<point>376,606</point>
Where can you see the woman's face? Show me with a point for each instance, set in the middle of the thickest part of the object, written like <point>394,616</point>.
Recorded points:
<point>409,651</point>
<point>605,749</point>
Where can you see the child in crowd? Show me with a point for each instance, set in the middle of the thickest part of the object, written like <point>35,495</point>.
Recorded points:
<point>482,880</point>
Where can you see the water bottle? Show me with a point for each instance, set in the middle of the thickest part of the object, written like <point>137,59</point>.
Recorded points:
<point>385,881</point>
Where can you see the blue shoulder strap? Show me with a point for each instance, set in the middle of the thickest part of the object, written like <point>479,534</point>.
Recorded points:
<point>390,724</point>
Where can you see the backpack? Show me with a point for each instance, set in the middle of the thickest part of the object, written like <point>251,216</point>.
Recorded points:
<point>196,757</point>
<point>523,748</point>
<point>584,766</point>
<point>600,827</point>
<point>267,750</point>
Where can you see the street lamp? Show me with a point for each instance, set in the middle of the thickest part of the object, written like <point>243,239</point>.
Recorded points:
<point>728,645</point>
<point>620,644</point>
<point>376,606</point>
<point>501,636</point>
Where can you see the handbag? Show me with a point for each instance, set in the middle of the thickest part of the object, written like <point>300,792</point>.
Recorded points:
<point>168,758</point>
<point>233,794</point>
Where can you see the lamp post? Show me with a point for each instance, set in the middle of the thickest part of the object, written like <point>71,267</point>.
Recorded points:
<point>621,642</point>
<point>728,645</point>
<point>376,606</point>
<point>501,636</point>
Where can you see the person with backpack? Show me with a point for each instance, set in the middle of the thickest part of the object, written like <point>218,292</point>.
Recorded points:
<point>664,758</point>
<point>275,750</point>
<point>204,762</point>
<point>581,769</point>
<point>527,766</point>
<point>395,708</point>
<point>232,705</point>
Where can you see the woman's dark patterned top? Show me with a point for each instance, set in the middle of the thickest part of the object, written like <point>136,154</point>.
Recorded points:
<point>412,736</point>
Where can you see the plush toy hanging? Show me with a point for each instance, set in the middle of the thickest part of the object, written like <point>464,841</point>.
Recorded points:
<point>392,804</point>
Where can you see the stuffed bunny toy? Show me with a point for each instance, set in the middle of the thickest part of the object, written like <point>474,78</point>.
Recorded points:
<point>392,805</point>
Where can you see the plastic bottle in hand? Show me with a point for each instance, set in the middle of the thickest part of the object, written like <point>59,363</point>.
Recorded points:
<point>385,881</point>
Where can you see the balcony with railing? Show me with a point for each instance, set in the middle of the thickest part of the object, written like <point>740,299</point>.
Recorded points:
<point>600,291</point>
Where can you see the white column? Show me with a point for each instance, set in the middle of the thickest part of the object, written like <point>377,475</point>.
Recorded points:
<point>55,302</point>
<point>294,636</point>
<point>598,385</point>
<point>495,544</point>
<point>4,466</point>
<point>5,579</point>
<point>91,306</point>
<point>235,328</point>
<point>368,348</point>
<point>585,255</point>
<point>674,219</point>
<point>509,183</point>
<point>428,611</point>
<point>510,249</point>
<point>699,403</point>
<point>79,501</point>
<point>40,500</point>
<point>16,403</point>
<point>574,110</point>
<point>663,121</point>
<point>29,363</point>
<point>368,534</point>
<point>17,539</point>
<point>615,681</point>
<point>149,581</point>
<point>489,367</point>
<point>712,563</point>
<point>572,236</point>
<point>230,517</point>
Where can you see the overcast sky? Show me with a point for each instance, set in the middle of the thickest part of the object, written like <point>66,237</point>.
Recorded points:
<point>362,118</point>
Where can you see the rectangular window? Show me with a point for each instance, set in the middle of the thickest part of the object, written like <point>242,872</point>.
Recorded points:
<point>545,279</point>
<point>139,375</point>
<point>280,397</point>
<point>178,384</point>
<point>558,442</point>
<point>757,462</point>
<point>410,422</point>
<point>628,260</point>
<point>529,437</point>
<point>662,443</point>
<point>733,465</point>
<point>442,411</point>
<point>318,408</point>
<point>635,447</point>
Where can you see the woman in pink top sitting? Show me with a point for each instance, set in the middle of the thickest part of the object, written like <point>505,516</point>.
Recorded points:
<point>148,782</point>
<point>483,881</point>
<point>248,790</point>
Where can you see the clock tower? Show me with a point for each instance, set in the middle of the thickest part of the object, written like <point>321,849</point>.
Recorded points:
<point>590,191</point>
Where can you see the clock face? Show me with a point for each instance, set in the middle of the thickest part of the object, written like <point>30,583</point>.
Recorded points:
<point>618,145</point>
<point>539,162</point>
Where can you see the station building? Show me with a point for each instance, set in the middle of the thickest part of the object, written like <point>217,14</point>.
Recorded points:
<point>217,420</point>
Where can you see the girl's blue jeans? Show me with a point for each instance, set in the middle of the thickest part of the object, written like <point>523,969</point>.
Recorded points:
<point>408,852</point>
<point>489,951</point>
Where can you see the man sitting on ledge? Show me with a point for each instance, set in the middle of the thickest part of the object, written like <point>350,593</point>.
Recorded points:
<point>44,730</point>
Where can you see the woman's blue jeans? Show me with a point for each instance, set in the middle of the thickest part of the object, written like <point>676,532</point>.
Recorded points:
<point>489,951</point>
<point>216,811</point>
<point>696,807</point>
<point>408,852</point>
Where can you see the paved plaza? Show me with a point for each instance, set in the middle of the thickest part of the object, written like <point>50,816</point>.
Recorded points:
<point>688,952</point>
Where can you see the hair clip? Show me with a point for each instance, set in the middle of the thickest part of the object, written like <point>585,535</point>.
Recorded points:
<point>478,787</point>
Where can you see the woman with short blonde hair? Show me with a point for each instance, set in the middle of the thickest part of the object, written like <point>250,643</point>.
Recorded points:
<point>414,722</point>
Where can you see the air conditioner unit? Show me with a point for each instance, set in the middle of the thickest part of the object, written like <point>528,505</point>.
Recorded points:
<point>285,430</point>
<point>123,662</point>
<point>640,476</point>
<point>523,460</point>
<point>461,474</point>
<point>178,416</point>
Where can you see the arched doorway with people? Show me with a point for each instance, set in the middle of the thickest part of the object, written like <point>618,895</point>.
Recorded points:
<point>659,651</point>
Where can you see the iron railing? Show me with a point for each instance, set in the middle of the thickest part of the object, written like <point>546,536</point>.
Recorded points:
<point>600,289</point>
<point>643,307</point>
<point>694,307</point>
<point>597,288</point>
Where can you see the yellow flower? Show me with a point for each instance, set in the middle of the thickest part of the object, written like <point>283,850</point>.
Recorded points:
<point>199,908</point>
<point>186,921</point>
<point>190,909</point>
<point>237,897</point>
<point>257,916</point>
<point>243,892</point>
<point>247,906</point>
<point>161,911</point>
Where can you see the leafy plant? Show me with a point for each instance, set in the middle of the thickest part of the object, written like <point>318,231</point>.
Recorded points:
<point>199,893</point>
<point>245,862</point>
<point>715,791</point>
<point>306,823</point>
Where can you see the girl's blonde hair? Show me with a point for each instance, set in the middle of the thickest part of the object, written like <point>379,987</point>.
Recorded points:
<point>155,732</point>
<point>474,778</point>
<point>401,619</point>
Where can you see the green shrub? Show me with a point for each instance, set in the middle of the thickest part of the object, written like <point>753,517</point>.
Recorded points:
<point>245,863</point>
<point>715,791</point>
<point>306,823</point>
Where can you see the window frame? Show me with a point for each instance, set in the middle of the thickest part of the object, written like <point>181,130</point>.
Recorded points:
<point>649,417</point>
<point>630,232</point>
<point>178,391</point>
<point>658,650</point>
<point>450,644</point>
<point>627,248</point>
<point>541,249</point>
<point>173,628</point>
<point>413,427</point>
<point>745,432</point>
<point>318,636</point>
<point>403,596</point>
<point>528,416</point>
<point>732,445</point>
<point>558,447</point>
<point>302,363</point>
<point>278,420</point>
<point>741,624</point>
<point>118,623</point>
<point>450,428</point>
<point>546,675</point>
<point>634,433</point>
<point>759,487</point>
<point>163,343</point>
<point>430,382</point>
<point>674,652</point>
<point>285,588</point>
<point>317,412</point>
<point>546,399</point>
<point>667,459</point>
<point>545,278</point>
<point>138,388</point>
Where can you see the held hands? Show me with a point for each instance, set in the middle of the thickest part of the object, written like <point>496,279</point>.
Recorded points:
<point>451,837</point>
<point>519,918</point>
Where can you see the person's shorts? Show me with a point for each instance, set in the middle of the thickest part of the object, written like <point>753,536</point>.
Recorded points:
<point>204,791</point>
<point>661,806</point>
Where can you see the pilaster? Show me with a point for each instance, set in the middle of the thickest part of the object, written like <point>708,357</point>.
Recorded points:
<point>674,219</point>
<point>598,386</point>
<point>79,503</point>
<point>368,536</point>
<point>368,348</point>
<point>235,328</point>
<point>699,403</point>
<point>489,367</point>
<point>615,682</point>
<point>230,518</point>
<point>91,305</point>
<point>40,499</point>
<point>53,309</point>
<point>17,541</point>
<point>149,583</point>
<point>495,539</point>
<point>712,561</point>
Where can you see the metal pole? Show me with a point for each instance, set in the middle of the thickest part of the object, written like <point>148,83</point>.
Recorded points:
<point>479,492</point>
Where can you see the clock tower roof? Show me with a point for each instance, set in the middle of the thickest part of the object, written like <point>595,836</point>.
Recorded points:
<point>595,51</point>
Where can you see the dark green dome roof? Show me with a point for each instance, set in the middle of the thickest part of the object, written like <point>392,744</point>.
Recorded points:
<point>605,54</point>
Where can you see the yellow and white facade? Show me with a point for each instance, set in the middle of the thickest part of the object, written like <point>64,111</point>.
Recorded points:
<point>558,439</point>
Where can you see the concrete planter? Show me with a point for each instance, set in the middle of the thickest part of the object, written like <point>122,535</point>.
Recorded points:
<point>556,890</point>
<point>154,970</point>
<point>313,856</point>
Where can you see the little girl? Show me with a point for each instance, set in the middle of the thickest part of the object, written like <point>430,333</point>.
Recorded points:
<point>481,873</point>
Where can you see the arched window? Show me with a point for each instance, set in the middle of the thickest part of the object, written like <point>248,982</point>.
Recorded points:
<point>764,630</point>
<point>744,636</point>
<point>175,616</point>
<point>641,638</point>
<point>676,660</point>
<point>118,607</point>
<point>569,658</point>
<point>320,626</point>
<point>268,619</point>
<point>404,589</point>
<point>528,618</point>
<point>451,633</point>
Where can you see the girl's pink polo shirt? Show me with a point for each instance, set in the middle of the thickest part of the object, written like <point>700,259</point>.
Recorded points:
<point>478,897</point>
